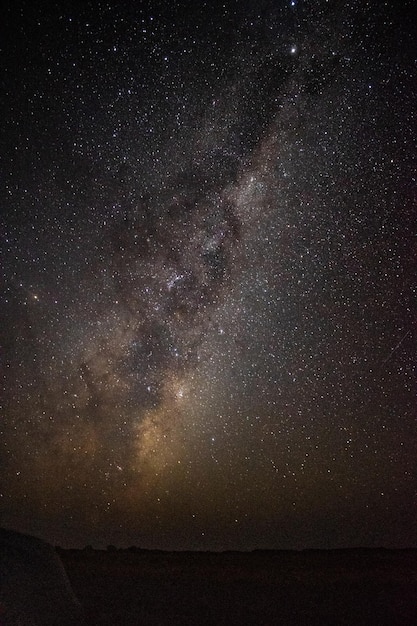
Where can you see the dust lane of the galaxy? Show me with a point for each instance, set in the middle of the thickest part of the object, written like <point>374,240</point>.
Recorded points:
<point>208,302</point>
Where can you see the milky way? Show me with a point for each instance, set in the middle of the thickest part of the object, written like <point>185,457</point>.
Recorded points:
<point>208,300</point>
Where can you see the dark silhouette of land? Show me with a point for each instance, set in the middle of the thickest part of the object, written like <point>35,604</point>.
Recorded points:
<point>337,587</point>
<point>34,587</point>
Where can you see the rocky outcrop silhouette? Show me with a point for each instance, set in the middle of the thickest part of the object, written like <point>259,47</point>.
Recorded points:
<point>34,587</point>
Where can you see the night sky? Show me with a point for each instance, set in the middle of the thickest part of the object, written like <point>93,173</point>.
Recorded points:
<point>208,273</point>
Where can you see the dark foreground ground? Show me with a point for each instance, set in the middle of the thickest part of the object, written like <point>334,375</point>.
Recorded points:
<point>337,588</point>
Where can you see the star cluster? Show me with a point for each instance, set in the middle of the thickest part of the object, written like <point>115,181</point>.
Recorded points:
<point>208,304</point>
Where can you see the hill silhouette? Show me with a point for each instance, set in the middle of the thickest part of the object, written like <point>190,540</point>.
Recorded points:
<point>34,587</point>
